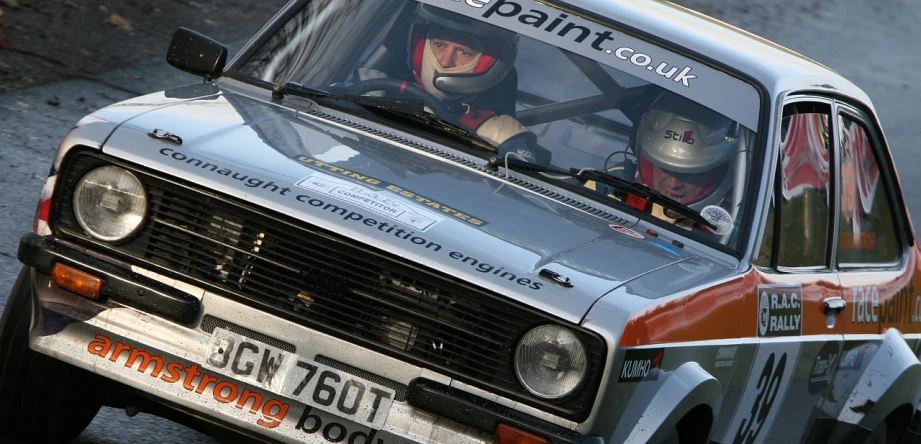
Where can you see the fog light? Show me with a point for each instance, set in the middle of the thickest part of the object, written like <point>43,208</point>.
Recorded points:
<point>80,282</point>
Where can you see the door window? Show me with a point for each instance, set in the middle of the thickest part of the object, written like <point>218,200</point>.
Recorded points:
<point>866,230</point>
<point>803,222</point>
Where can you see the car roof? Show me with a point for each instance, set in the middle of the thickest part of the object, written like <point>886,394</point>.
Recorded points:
<point>776,67</point>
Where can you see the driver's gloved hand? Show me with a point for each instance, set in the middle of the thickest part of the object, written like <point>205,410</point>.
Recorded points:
<point>523,146</point>
<point>456,108</point>
<point>356,77</point>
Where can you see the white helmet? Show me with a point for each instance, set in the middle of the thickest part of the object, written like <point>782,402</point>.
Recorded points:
<point>497,60</point>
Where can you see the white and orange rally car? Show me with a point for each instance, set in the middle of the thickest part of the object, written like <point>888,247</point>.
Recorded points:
<point>470,221</point>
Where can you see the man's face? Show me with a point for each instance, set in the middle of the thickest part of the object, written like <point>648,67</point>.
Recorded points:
<point>454,48</point>
<point>683,187</point>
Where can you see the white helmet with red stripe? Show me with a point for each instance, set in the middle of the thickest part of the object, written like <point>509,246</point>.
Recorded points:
<point>499,49</point>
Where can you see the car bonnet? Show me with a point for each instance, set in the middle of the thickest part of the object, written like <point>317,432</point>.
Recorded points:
<point>395,195</point>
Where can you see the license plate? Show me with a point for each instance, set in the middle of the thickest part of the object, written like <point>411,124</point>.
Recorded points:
<point>298,378</point>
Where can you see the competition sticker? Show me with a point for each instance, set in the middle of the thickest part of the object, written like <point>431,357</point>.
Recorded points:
<point>718,216</point>
<point>624,230</point>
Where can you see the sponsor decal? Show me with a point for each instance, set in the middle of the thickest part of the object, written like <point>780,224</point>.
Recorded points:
<point>312,422</point>
<point>624,230</point>
<point>718,216</point>
<point>371,200</point>
<point>358,218</point>
<point>869,307</point>
<point>865,301</point>
<point>269,412</point>
<point>435,206</point>
<point>780,310</point>
<point>853,358</point>
<point>725,356</point>
<point>635,56</point>
<point>476,3</point>
<point>824,367</point>
<point>686,137</point>
<point>483,267</point>
<point>580,31</point>
<point>231,397</point>
<point>641,365</point>
<point>768,381</point>
<point>902,307</point>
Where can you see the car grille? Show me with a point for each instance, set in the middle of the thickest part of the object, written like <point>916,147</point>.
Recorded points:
<point>332,283</point>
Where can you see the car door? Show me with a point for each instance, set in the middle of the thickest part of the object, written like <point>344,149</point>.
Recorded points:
<point>872,253</point>
<point>798,345</point>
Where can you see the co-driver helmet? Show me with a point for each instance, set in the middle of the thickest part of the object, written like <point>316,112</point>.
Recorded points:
<point>681,136</point>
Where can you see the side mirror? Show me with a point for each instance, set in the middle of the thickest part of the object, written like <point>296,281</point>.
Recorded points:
<point>196,54</point>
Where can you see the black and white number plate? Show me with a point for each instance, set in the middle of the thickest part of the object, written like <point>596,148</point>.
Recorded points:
<point>299,378</point>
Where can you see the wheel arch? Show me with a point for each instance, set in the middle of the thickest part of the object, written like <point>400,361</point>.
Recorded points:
<point>689,400</point>
<point>887,390</point>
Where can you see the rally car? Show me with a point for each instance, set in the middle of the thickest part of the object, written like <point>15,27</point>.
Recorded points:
<point>463,221</point>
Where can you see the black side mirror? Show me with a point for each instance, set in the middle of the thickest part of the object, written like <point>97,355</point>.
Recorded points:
<point>196,54</point>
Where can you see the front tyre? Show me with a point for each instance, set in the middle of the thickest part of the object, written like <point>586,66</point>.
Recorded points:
<point>42,399</point>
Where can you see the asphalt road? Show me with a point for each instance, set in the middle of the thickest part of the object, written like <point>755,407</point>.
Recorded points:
<point>32,122</point>
<point>873,43</point>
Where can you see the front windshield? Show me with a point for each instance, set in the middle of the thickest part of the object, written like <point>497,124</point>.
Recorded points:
<point>543,86</point>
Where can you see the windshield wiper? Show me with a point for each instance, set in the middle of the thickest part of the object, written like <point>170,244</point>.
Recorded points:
<point>408,106</point>
<point>638,190</point>
<point>407,111</point>
<point>644,192</point>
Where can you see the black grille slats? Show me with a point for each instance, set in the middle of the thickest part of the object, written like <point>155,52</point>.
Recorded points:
<point>314,277</point>
<point>318,278</point>
<point>334,284</point>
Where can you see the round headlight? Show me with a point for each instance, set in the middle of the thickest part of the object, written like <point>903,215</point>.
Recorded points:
<point>550,361</point>
<point>109,203</point>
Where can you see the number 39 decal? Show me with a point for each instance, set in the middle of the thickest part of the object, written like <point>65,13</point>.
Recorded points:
<point>767,384</point>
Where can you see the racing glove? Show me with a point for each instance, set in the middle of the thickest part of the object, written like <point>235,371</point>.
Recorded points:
<point>524,147</point>
<point>357,76</point>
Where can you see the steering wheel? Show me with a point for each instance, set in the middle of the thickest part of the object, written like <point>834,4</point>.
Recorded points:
<point>404,88</point>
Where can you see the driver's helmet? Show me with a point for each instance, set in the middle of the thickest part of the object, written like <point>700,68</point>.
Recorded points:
<point>690,142</point>
<point>499,49</point>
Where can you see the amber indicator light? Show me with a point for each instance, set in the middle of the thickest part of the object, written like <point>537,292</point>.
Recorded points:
<point>80,282</point>
<point>506,434</point>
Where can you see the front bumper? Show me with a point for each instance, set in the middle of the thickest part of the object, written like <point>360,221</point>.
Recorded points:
<point>153,320</point>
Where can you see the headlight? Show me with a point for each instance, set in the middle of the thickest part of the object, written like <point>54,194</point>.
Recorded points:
<point>550,361</point>
<point>109,203</point>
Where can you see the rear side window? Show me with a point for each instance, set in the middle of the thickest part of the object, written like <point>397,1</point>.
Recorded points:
<point>866,230</point>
